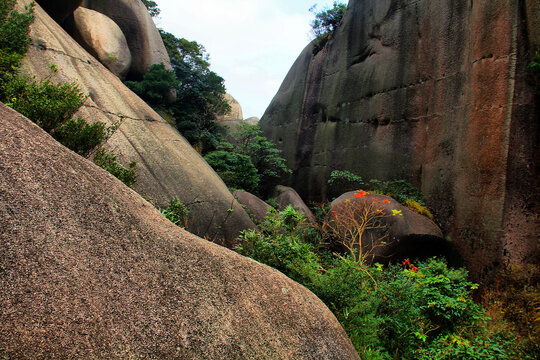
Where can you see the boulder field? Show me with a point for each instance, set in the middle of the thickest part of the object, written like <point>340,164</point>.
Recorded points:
<point>167,166</point>
<point>435,93</point>
<point>88,269</point>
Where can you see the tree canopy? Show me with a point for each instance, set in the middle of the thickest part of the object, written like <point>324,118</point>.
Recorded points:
<point>328,20</point>
<point>152,7</point>
<point>200,93</point>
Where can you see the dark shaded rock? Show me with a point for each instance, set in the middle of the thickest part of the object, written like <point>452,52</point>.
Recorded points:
<point>167,165</point>
<point>396,232</point>
<point>90,269</point>
<point>435,94</point>
<point>254,205</point>
<point>286,196</point>
<point>59,10</point>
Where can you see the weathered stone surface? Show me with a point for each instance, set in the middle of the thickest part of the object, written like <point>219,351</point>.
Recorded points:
<point>256,206</point>
<point>59,10</point>
<point>252,120</point>
<point>236,109</point>
<point>288,196</point>
<point>397,233</point>
<point>101,37</point>
<point>139,29</point>
<point>233,118</point>
<point>437,94</point>
<point>167,166</point>
<point>90,269</point>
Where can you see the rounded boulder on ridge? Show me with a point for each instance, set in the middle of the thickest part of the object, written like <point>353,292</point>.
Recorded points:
<point>392,231</point>
<point>139,29</point>
<point>102,37</point>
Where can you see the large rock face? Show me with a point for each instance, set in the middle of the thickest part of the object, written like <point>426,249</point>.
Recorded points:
<point>167,166</point>
<point>141,33</point>
<point>88,269</point>
<point>436,93</point>
<point>102,38</point>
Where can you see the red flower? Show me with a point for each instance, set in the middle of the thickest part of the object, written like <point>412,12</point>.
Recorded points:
<point>360,194</point>
<point>386,201</point>
<point>375,200</point>
<point>406,262</point>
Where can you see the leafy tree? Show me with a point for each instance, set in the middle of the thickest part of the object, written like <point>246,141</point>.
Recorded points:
<point>236,170</point>
<point>263,153</point>
<point>199,93</point>
<point>326,21</point>
<point>152,7</point>
<point>155,86</point>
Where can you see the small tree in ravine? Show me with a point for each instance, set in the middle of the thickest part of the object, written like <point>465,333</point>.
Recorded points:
<point>264,155</point>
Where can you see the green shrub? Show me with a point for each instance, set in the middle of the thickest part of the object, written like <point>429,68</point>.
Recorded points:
<point>277,243</point>
<point>79,136</point>
<point>342,181</point>
<point>236,170</point>
<point>534,65</point>
<point>48,105</point>
<point>176,212</point>
<point>14,35</point>
<point>398,312</point>
<point>156,85</point>
<point>109,162</point>
<point>400,190</point>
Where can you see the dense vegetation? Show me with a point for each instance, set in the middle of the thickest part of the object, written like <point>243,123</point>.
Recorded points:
<point>412,310</point>
<point>250,162</point>
<point>50,105</point>
<point>191,93</point>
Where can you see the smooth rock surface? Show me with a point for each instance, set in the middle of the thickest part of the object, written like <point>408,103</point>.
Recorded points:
<point>101,37</point>
<point>88,269</point>
<point>139,29</point>
<point>435,93</point>
<point>288,196</point>
<point>252,120</point>
<point>398,232</point>
<point>253,204</point>
<point>167,166</point>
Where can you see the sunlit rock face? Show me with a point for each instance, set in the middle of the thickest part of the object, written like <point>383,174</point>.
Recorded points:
<point>89,269</point>
<point>436,93</point>
<point>167,166</point>
<point>100,36</point>
<point>143,37</point>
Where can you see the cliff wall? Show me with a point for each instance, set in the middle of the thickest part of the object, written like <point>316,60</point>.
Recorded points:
<point>436,93</point>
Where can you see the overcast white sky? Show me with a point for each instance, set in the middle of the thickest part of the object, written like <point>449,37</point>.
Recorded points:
<point>252,43</point>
